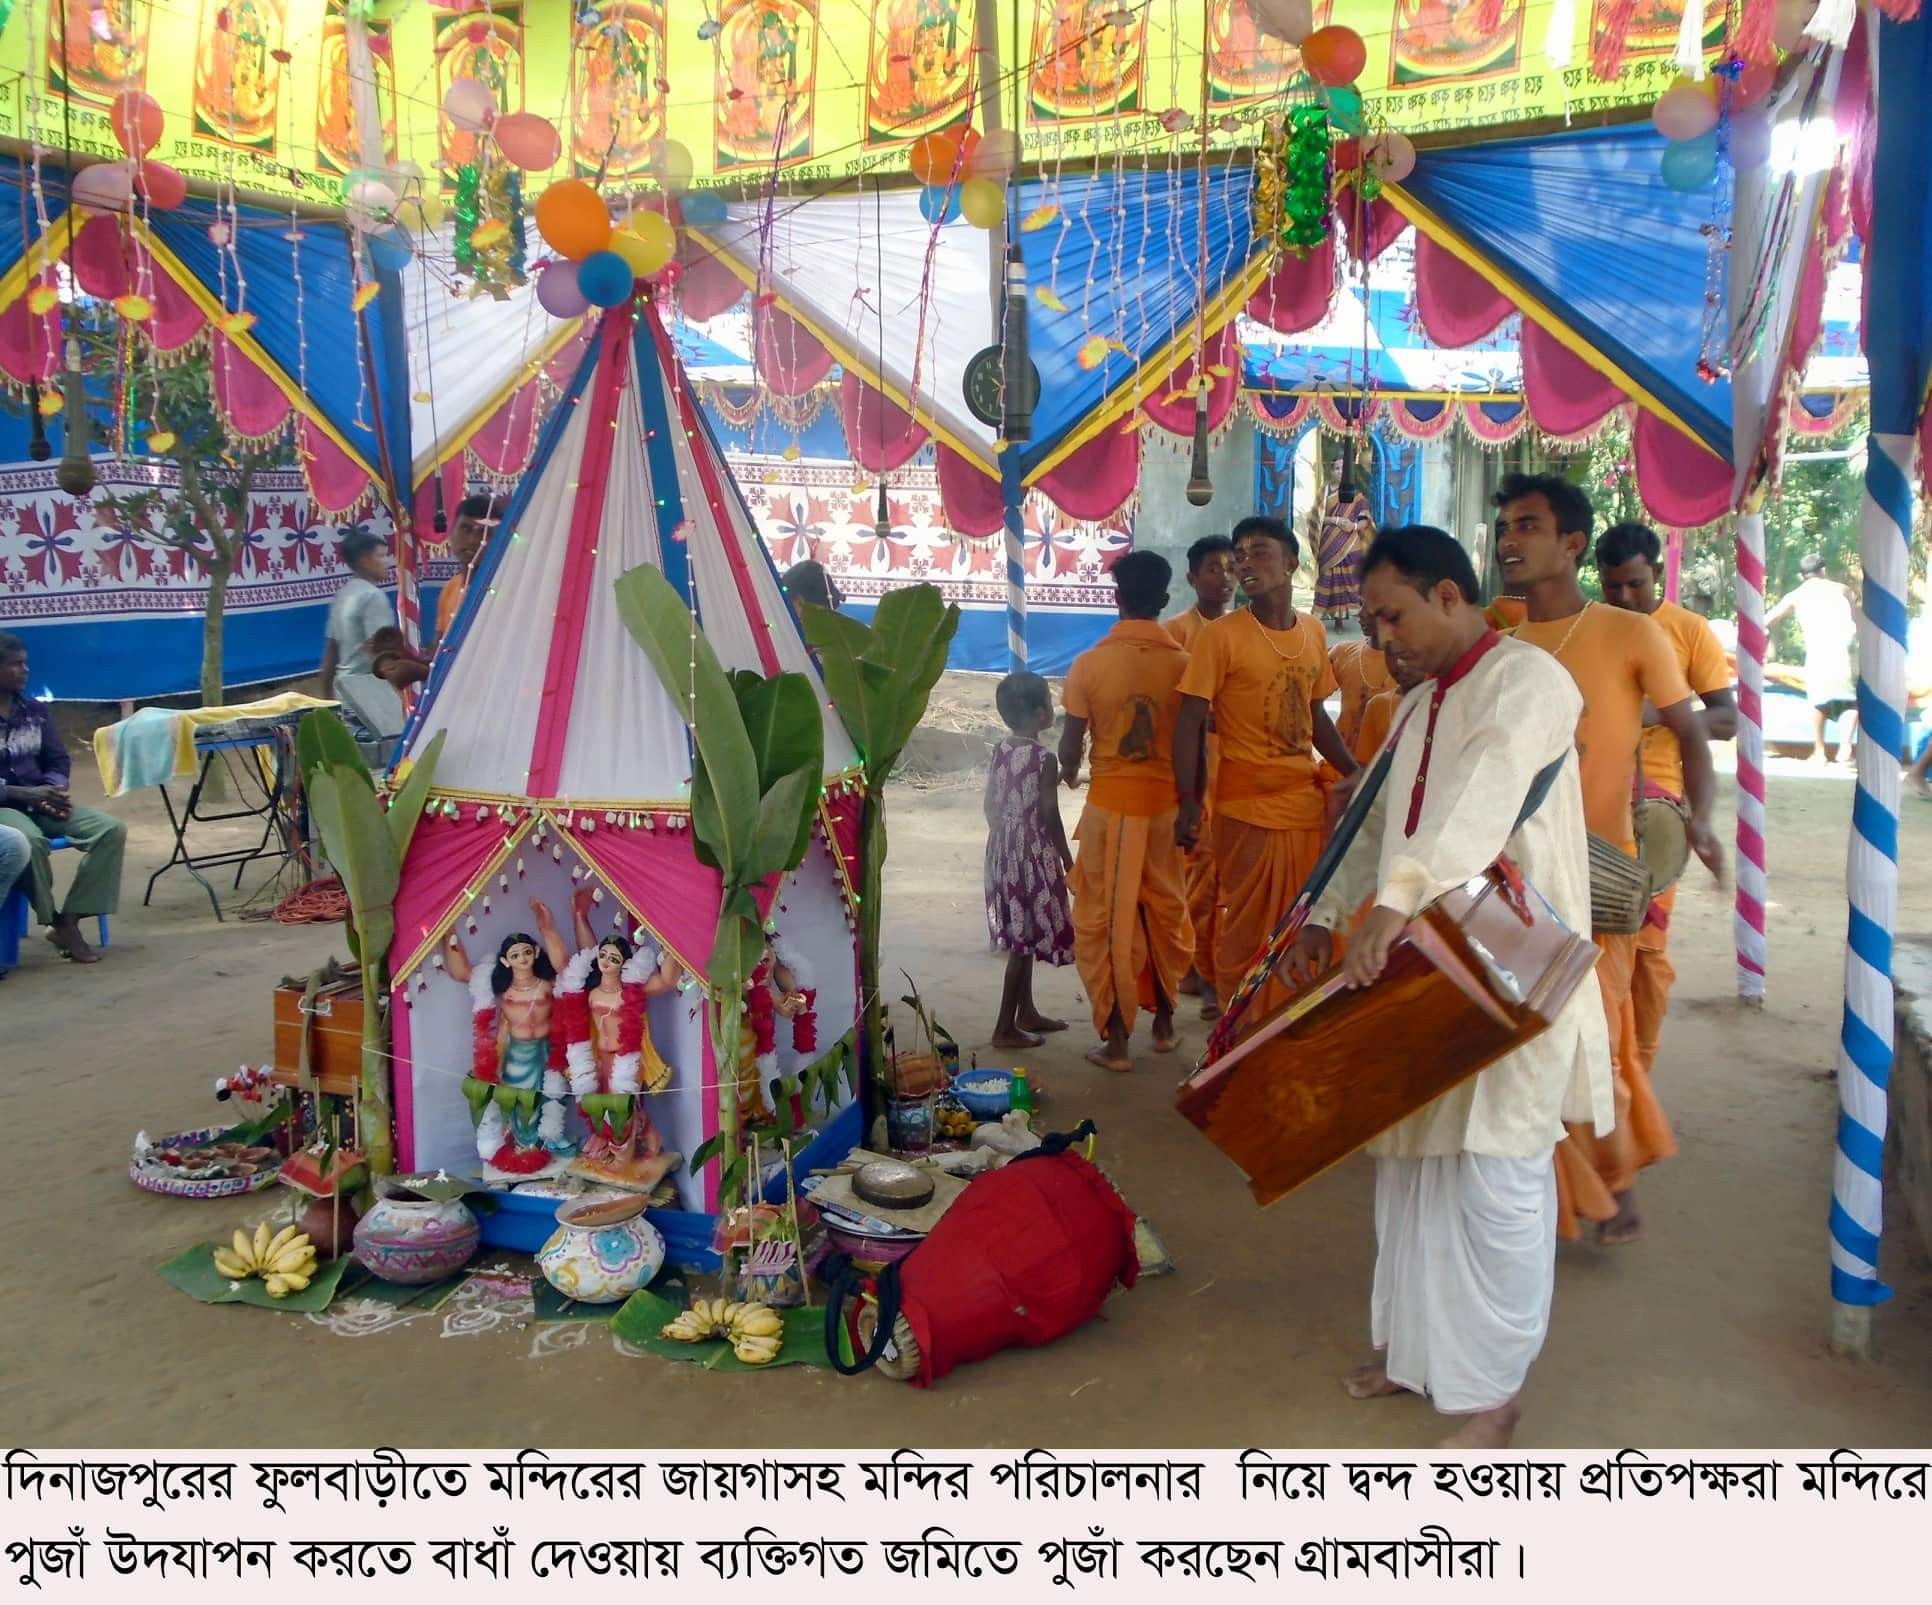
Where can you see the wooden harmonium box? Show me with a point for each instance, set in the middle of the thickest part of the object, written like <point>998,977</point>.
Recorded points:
<point>332,1024</point>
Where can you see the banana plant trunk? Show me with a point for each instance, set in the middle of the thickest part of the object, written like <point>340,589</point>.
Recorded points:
<point>728,1012</point>
<point>372,1103</point>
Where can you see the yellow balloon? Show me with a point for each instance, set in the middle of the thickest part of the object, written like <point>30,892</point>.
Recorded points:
<point>647,242</point>
<point>983,202</point>
<point>673,166</point>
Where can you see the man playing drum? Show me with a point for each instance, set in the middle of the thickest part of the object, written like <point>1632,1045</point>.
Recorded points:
<point>1629,566</point>
<point>1620,661</point>
<point>1465,1188</point>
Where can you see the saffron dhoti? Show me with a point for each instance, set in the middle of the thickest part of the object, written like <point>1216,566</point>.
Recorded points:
<point>1130,913</point>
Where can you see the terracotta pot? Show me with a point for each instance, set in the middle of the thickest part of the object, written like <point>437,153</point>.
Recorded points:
<point>416,1241</point>
<point>330,1224</point>
<point>603,1249</point>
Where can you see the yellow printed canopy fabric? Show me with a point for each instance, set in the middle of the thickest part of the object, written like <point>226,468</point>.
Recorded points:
<point>256,92</point>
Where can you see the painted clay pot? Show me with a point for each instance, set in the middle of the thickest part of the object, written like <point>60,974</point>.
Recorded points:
<point>416,1241</point>
<point>603,1249</point>
<point>329,1222</point>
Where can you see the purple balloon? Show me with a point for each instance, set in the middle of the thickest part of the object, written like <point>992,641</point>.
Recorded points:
<point>557,291</point>
<point>1750,143</point>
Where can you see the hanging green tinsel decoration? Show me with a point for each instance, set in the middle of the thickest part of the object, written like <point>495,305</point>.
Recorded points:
<point>1305,192</point>
<point>468,214</point>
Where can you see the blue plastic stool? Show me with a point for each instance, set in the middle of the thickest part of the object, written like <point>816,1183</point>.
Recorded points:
<point>16,913</point>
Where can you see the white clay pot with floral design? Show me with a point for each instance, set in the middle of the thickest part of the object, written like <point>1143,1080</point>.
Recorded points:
<point>414,1240</point>
<point>603,1249</point>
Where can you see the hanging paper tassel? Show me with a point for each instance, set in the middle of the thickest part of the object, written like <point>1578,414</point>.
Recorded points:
<point>1754,41</point>
<point>1832,22</point>
<point>1606,51</point>
<point>1690,42</point>
<point>1559,41</point>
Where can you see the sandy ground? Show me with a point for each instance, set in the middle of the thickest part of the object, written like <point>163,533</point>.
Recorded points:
<point>1709,1332</point>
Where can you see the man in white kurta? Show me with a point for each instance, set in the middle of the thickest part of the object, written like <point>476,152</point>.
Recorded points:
<point>1465,1194</point>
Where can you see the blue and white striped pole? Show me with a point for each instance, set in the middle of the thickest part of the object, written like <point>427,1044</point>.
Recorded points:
<point>1871,875</point>
<point>1013,498</point>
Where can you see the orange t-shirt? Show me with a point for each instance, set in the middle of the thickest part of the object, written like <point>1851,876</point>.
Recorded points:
<point>450,600</point>
<point>1361,672</point>
<point>1186,627</point>
<point>1126,690</point>
<point>1377,717</point>
<point>1619,661</point>
<point>1263,686</point>
<point>1701,657</point>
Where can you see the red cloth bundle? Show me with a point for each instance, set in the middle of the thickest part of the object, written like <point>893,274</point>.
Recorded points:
<point>569,1022</point>
<point>483,1055</point>
<point>761,1011</point>
<point>630,1019</point>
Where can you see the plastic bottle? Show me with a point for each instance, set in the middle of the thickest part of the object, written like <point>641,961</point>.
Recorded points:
<point>1022,1093</point>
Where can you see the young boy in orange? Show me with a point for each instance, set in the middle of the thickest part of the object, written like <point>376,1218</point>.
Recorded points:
<point>1210,571</point>
<point>1620,661</point>
<point>1262,674</point>
<point>1629,563</point>
<point>1129,906</point>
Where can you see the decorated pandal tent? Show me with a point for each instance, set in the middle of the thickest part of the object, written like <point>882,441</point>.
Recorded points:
<point>566,764</point>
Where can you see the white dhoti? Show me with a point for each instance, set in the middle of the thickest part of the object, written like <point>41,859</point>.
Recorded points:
<point>1465,1265</point>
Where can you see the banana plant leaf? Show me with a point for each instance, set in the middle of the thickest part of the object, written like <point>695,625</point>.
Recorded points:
<point>406,806</point>
<point>784,824</point>
<point>194,1273</point>
<point>644,1314</point>
<point>788,737</point>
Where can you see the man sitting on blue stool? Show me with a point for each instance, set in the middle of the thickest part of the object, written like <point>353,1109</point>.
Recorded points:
<point>34,802</point>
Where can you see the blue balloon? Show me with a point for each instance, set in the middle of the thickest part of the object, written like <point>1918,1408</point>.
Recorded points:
<point>704,208</point>
<point>604,279</point>
<point>939,203</point>
<point>1345,110</point>
<point>1690,164</point>
<point>391,250</point>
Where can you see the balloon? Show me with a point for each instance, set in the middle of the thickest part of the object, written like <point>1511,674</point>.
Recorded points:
<point>969,143</point>
<point>933,157</point>
<point>1788,28</point>
<point>705,209</point>
<point>939,203</point>
<point>996,155</point>
<point>1391,156</point>
<point>528,140</point>
<point>470,105</point>
<point>1684,111</point>
<point>160,185</point>
<point>107,186</point>
<point>1750,142</point>
<point>1690,164</point>
<point>572,217</point>
<point>1345,110</point>
<point>983,202</point>
<point>371,195</point>
<point>1756,81</point>
<point>1292,20</point>
<point>1334,55</point>
<point>672,166</point>
<point>558,292</point>
<point>137,121</point>
<point>605,279</point>
<point>391,249</point>
<point>646,242</point>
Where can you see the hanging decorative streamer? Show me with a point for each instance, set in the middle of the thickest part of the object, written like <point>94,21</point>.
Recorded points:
<point>1606,54</point>
<point>1832,22</point>
<point>1690,42</point>
<point>1305,197</point>
<point>1559,39</point>
<point>1755,28</point>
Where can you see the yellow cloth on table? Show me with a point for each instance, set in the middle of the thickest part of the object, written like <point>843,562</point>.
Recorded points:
<point>157,745</point>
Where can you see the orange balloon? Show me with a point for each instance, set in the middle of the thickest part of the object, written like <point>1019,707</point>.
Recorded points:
<point>968,139</point>
<point>573,219</point>
<point>934,156</point>
<point>1334,56</point>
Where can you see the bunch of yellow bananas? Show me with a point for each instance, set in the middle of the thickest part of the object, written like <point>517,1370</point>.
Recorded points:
<point>755,1332</point>
<point>284,1262</point>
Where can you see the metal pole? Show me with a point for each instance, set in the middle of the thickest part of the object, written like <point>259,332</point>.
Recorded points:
<point>1753,875</point>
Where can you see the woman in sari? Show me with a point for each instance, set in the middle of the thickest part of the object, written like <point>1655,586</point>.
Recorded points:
<point>1338,553</point>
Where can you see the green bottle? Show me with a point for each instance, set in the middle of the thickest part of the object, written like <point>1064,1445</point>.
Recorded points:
<point>1022,1093</point>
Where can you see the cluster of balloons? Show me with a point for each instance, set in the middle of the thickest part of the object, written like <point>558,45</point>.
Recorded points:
<point>1687,114</point>
<point>964,174</point>
<point>111,186</point>
<point>602,262</point>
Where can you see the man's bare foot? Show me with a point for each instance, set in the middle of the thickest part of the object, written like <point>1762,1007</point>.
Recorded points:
<point>1040,1023</point>
<point>1626,1226</point>
<point>1014,1037</point>
<point>1190,986</point>
<point>1371,1381</point>
<point>1120,1064</point>
<point>1210,1003</point>
<point>1486,1429</point>
<point>70,944</point>
<point>1165,1041</point>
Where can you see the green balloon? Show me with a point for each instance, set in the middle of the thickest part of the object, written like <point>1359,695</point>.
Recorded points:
<point>1345,110</point>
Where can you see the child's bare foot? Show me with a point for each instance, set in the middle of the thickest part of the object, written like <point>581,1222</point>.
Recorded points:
<point>1039,1022</point>
<point>1014,1037</point>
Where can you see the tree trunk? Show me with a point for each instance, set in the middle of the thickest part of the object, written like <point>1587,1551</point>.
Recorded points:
<point>213,687</point>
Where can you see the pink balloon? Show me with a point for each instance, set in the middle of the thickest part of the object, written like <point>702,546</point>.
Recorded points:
<point>1684,112</point>
<point>557,291</point>
<point>470,105</point>
<point>528,140</point>
<point>107,186</point>
<point>1392,156</point>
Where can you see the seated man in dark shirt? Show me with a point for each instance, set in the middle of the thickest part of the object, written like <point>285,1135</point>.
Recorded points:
<point>34,800</point>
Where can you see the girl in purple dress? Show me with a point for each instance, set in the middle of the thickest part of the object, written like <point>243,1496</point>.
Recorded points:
<point>1027,859</point>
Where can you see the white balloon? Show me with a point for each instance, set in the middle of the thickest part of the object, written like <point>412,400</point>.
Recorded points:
<point>372,195</point>
<point>470,105</point>
<point>1391,156</point>
<point>1293,20</point>
<point>108,186</point>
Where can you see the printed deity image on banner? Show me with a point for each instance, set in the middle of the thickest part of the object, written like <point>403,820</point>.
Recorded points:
<point>921,74</point>
<point>1441,41</point>
<point>767,64</point>
<point>1087,61</point>
<point>238,80</point>
<point>1245,64</point>
<point>336,143</point>
<point>97,48</point>
<point>489,48</point>
<point>1652,27</point>
<point>618,88</point>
